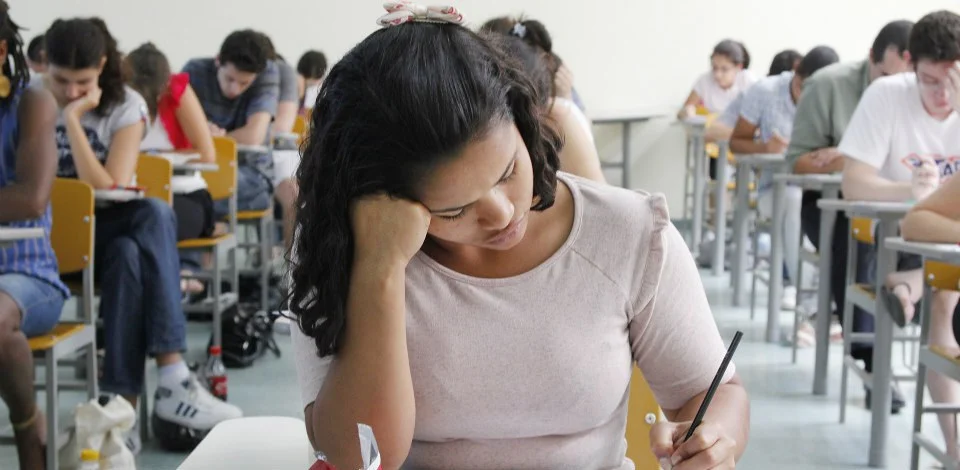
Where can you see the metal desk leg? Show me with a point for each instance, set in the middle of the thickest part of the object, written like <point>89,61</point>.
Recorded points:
<point>699,174</point>
<point>625,177</point>
<point>720,214</point>
<point>882,352</point>
<point>741,213</point>
<point>776,264</point>
<point>686,179</point>
<point>921,375</point>
<point>828,220</point>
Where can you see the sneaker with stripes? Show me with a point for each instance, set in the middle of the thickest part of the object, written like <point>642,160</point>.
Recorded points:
<point>184,412</point>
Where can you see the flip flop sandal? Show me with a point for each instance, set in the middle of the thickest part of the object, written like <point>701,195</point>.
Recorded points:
<point>893,305</point>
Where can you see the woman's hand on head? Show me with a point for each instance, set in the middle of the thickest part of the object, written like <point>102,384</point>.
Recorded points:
<point>82,105</point>
<point>710,447</point>
<point>388,231</point>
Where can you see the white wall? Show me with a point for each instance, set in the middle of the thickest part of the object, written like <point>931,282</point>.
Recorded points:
<point>625,53</point>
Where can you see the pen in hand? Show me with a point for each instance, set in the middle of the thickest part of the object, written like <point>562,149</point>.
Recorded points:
<point>714,386</point>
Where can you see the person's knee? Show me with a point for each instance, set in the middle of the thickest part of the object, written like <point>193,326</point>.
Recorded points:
<point>9,325</point>
<point>156,210</point>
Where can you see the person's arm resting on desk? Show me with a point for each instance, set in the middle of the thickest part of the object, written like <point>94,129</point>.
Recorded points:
<point>811,148</point>
<point>27,196</point>
<point>128,123</point>
<point>368,381</point>
<point>866,147</point>
<point>935,219</point>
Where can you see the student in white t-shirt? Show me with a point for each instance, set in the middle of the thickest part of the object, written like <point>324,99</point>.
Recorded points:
<point>903,139</point>
<point>728,77</point>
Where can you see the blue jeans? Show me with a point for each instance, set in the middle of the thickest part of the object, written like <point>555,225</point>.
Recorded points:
<point>40,302</point>
<point>137,265</point>
<point>254,192</point>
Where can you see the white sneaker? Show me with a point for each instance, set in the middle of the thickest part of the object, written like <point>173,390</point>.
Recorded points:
<point>184,412</point>
<point>190,405</point>
<point>789,300</point>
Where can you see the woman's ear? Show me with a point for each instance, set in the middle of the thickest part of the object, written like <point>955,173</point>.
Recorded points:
<point>103,62</point>
<point>4,49</point>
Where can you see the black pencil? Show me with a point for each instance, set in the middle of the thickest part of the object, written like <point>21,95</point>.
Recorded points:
<point>714,386</point>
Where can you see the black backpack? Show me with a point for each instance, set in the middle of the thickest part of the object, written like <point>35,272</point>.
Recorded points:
<point>247,336</point>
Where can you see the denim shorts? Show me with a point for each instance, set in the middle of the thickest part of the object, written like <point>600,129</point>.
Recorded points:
<point>40,302</point>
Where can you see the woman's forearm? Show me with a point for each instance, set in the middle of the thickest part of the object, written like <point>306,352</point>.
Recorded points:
<point>929,226</point>
<point>747,146</point>
<point>89,169</point>
<point>369,381</point>
<point>730,409</point>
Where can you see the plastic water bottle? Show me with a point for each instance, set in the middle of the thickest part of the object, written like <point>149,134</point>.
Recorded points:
<point>89,459</point>
<point>216,374</point>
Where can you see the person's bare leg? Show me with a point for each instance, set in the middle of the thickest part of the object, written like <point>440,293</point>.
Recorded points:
<point>16,387</point>
<point>286,194</point>
<point>943,389</point>
<point>908,287</point>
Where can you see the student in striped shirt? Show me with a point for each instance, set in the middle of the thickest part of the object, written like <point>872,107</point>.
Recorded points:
<point>31,294</point>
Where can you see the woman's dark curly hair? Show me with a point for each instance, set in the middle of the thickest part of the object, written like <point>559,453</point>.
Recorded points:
<point>81,43</point>
<point>401,102</point>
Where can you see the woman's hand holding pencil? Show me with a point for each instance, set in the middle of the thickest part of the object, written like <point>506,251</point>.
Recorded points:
<point>697,445</point>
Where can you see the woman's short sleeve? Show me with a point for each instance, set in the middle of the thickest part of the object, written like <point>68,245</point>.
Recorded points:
<point>673,336</point>
<point>178,85</point>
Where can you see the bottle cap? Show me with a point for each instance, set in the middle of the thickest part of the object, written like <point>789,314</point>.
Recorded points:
<point>89,455</point>
<point>215,350</point>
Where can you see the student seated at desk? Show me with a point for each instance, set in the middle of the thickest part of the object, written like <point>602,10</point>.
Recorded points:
<point>36,56</point>
<point>495,307</point>
<point>765,124</point>
<point>579,154</point>
<point>31,293</point>
<point>288,101</point>
<point>311,67</point>
<point>177,122</point>
<point>535,33</point>
<point>823,112</point>
<point>239,91</point>
<point>99,129</point>
<point>905,126</point>
<point>722,127</point>
<point>729,77</point>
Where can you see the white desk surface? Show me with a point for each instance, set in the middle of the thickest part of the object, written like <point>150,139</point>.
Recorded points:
<point>945,252</point>
<point>12,234</point>
<point>811,180</point>
<point>866,208</point>
<point>612,116</point>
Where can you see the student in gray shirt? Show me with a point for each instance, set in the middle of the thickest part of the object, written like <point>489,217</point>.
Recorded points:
<point>239,91</point>
<point>823,112</point>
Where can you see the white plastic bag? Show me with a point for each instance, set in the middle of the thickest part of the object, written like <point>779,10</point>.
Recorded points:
<point>101,428</point>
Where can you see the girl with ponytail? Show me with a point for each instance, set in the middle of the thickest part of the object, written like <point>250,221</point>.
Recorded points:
<point>99,130</point>
<point>536,35</point>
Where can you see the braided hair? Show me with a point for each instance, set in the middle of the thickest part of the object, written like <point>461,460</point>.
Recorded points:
<point>10,32</point>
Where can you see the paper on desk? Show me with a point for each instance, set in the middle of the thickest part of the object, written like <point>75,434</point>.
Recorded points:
<point>179,158</point>
<point>369,451</point>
